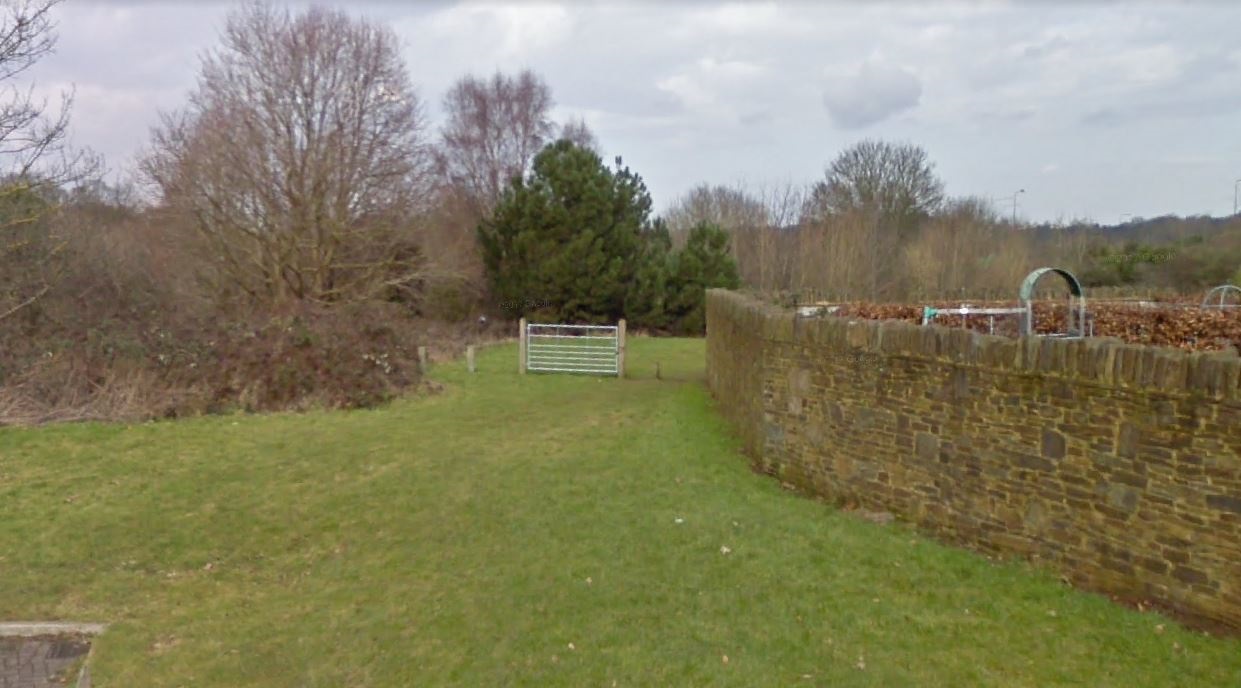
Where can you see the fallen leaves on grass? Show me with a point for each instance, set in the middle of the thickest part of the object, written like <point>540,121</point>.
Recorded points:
<point>724,549</point>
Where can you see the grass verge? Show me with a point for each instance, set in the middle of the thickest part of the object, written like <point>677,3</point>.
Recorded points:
<point>537,530</point>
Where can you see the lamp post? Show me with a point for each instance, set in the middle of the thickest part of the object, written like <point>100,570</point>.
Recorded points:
<point>1015,194</point>
<point>1235,186</point>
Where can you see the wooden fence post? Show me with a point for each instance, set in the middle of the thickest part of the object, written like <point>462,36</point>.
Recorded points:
<point>521,348</point>
<point>620,352</point>
<point>422,360</point>
<point>469,357</point>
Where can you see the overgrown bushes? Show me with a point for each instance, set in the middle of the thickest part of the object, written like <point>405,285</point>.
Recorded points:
<point>128,333</point>
<point>283,362</point>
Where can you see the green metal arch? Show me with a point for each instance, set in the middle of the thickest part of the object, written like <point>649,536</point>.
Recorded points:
<point>1027,286</point>
<point>1075,329</point>
<point>1223,290</point>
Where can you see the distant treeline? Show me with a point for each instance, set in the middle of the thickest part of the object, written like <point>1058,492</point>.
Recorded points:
<point>956,248</point>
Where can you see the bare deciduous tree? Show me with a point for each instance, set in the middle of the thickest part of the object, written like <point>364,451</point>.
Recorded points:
<point>846,257</point>
<point>495,127</point>
<point>895,183</point>
<point>728,207</point>
<point>759,222</point>
<point>873,199</point>
<point>300,158</point>
<point>967,251</point>
<point>783,203</point>
<point>34,158</point>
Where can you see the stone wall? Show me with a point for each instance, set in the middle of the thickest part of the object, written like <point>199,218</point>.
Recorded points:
<point>1118,465</point>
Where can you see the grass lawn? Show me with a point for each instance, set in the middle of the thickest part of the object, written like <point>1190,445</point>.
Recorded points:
<point>538,530</point>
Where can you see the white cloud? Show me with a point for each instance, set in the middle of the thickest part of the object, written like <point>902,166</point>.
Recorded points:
<point>729,69</point>
<point>713,87</point>
<point>506,30</point>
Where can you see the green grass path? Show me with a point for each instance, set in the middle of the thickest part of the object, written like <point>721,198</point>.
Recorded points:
<point>538,530</point>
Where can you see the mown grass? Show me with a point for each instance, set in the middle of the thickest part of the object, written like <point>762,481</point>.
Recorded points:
<point>535,531</point>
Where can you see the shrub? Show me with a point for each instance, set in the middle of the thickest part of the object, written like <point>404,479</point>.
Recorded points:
<point>303,358</point>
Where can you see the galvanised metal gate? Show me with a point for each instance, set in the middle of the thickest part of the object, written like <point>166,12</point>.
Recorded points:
<point>561,348</point>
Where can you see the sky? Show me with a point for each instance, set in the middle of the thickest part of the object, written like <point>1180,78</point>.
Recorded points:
<point>1104,111</point>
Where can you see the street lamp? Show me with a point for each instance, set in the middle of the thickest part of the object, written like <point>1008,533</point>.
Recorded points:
<point>1235,186</point>
<point>1015,194</point>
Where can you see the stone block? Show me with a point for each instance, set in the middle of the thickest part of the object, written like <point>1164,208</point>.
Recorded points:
<point>926,446</point>
<point>799,381</point>
<point>1121,497</point>
<point>1224,502</point>
<point>1127,440</point>
<point>1187,574</point>
<point>1053,444</point>
<point>1033,463</point>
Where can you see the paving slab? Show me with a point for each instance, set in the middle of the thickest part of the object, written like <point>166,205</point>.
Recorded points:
<point>42,661</point>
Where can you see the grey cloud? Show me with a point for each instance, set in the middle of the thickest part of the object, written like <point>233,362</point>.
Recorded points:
<point>1182,106</point>
<point>1009,115</point>
<point>1103,117</point>
<point>755,119</point>
<point>1036,80</point>
<point>874,93</point>
<point>1045,48</point>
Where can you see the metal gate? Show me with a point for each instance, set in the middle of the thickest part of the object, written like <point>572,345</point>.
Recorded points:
<point>559,348</point>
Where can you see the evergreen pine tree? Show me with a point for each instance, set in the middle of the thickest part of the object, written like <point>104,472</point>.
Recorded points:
<point>565,244</point>
<point>647,306</point>
<point>704,263</point>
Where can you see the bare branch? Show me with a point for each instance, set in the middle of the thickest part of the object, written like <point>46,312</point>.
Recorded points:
<point>35,162</point>
<point>495,127</point>
<point>26,35</point>
<point>577,131</point>
<point>28,302</point>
